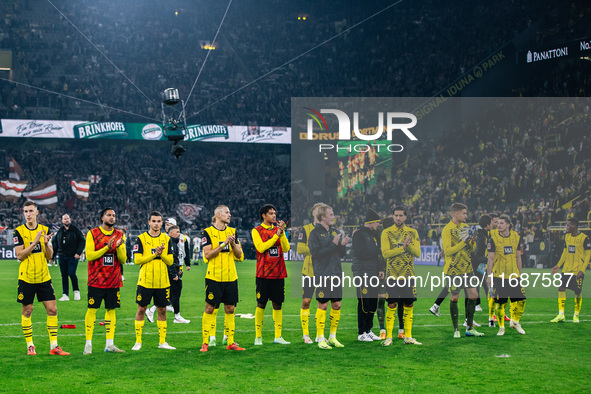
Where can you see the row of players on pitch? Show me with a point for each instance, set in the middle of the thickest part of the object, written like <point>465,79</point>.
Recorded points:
<point>491,252</point>
<point>154,252</point>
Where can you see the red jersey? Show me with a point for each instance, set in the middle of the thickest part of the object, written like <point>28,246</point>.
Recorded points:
<point>270,262</point>
<point>104,272</point>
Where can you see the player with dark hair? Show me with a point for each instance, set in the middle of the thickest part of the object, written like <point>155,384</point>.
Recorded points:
<point>458,247</point>
<point>270,242</point>
<point>106,253</point>
<point>153,253</point>
<point>307,272</point>
<point>327,249</point>
<point>491,303</point>
<point>480,259</point>
<point>504,262</point>
<point>180,246</point>
<point>367,263</point>
<point>220,251</point>
<point>400,245</point>
<point>381,310</point>
<point>32,244</point>
<point>574,261</point>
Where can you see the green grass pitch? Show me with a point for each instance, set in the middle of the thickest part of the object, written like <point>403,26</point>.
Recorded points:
<point>554,357</point>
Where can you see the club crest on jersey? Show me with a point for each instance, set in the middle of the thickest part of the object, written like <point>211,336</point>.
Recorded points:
<point>508,249</point>
<point>210,296</point>
<point>571,249</point>
<point>91,301</point>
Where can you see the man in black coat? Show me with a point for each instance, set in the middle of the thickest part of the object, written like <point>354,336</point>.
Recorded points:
<point>368,267</point>
<point>327,247</point>
<point>68,245</point>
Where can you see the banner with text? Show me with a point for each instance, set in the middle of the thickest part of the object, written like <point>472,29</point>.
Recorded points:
<point>141,131</point>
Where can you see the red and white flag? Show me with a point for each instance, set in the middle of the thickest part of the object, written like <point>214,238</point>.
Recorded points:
<point>11,191</point>
<point>94,178</point>
<point>188,212</point>
<point>15,170</point>
<point>44,194</point>
<point>81,189</point>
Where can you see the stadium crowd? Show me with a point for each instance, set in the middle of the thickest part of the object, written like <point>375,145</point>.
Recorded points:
<point>157,50</point>
<point>532,169</point>
<point>138,179</point>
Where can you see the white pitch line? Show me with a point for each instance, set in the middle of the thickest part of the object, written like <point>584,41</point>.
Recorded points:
<point>265,330</point>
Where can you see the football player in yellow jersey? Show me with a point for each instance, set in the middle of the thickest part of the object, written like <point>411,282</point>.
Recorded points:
<point>574,261</point>
<point>307,274</point>
<point>400,245</point>
<point>220,251</point>
<point>458,247</point>
<point>504,263</point>
<point>32,244</point>
<point>153,253</point>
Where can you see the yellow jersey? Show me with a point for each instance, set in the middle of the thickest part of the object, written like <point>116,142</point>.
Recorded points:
<point>221,268</point>
<point>576,254</point>
<point>458,254</point>
<point>153,271</point>
<point>33,269</point>
<point>505,250</point>
<point>400,262</point>
<point>307,269</point>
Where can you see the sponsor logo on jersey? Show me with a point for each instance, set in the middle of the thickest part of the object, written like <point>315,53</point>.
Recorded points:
<point>508,249</point>
<point>274,251</point>
<point>108,260</point>
<point>37,249</point>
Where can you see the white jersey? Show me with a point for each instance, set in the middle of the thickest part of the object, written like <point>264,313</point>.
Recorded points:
<point>182,254</point>
<point>196,244</point>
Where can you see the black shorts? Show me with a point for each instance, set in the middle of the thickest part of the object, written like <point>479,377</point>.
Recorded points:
<point>325,294</point>
<point>456,283</point>
<point>270,289</point>
<point>308,286</point>
<point>401,290</point>
<point>367,292</point>
<point>27,291</point>
<point>144,296</point>
<point>502,290</point>
<point>572,282</point>
<point>217,293</point>
<point>111,296</point>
